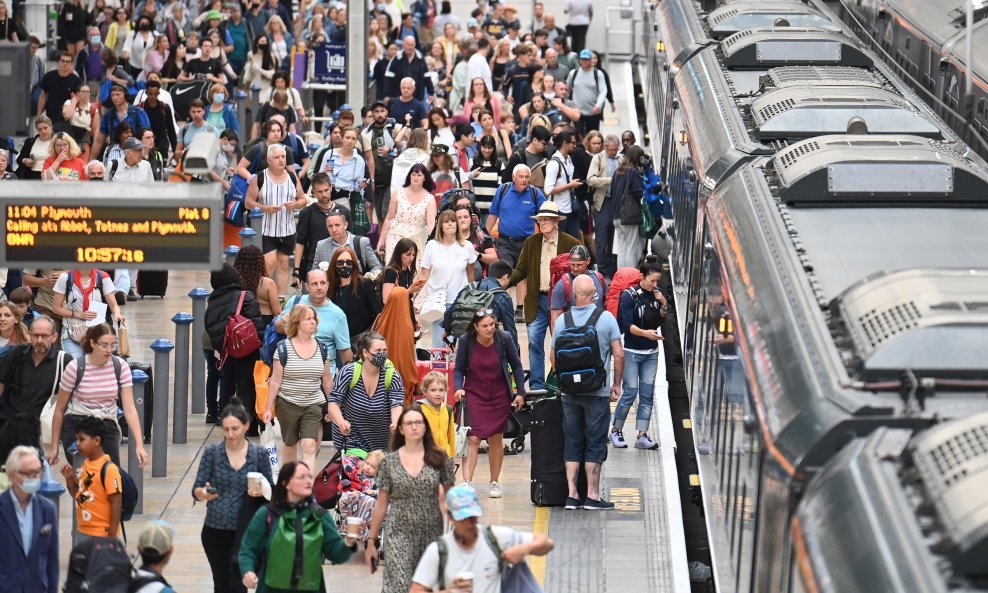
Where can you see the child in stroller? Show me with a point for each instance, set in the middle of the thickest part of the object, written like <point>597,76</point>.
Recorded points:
<point>358,491</point>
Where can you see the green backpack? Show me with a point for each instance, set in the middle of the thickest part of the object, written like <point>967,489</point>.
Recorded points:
<point>460,314</point>
<point>294,558</point>
<point>389,374</point>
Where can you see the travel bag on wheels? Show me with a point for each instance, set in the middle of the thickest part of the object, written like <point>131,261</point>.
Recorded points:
<point>549,486</point>
<point>152,283</point>
<point>148,402</point>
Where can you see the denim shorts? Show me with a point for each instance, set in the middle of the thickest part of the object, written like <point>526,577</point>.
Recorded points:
<point>585,423</point>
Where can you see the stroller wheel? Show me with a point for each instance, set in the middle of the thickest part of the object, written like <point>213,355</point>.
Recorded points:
<point>517,445</point>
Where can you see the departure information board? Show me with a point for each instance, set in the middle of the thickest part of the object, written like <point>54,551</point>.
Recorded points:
<point>109,225</point>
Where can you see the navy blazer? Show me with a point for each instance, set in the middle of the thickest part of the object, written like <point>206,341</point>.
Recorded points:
<point>38,572</point>
<point>510,361</point>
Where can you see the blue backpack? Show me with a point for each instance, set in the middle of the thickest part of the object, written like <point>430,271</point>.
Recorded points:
<point>578,358</point>
<point>128,492</point>
<point>272,337</point>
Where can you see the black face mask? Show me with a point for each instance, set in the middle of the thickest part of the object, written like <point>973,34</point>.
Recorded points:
<point>145,27</point>
<point>344,272</point>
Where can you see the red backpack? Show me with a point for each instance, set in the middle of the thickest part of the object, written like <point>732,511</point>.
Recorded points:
<point>240,337</point>
<point>558,267</point>
<point>624,278</point>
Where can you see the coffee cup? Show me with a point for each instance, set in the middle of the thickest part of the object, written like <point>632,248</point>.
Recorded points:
<point>254,480</point>
<point>465,581</point>
<point>353,526</point>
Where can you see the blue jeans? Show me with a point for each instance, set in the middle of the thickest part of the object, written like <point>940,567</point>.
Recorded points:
<point>639,380</point>
<point>536,344</point>
<point>585,427</point>
<point>72,347</point>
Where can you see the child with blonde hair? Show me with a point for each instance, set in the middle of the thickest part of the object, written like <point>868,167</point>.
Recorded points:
<point>437,413</point>
<point>359,490</point>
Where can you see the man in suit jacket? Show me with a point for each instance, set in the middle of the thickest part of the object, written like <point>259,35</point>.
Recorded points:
<point>533,266</point>
<point>28,528</point>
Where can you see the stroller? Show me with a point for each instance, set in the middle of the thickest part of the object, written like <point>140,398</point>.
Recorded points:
<point>520,422</point>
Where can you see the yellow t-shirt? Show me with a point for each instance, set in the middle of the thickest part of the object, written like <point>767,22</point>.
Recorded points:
<point>93,497</point>
<point>443,430</point>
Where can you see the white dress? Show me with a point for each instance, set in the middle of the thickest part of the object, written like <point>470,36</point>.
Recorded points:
<point>410,222</point>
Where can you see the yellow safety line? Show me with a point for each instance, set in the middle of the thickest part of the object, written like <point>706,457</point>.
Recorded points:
<point>541,525</point>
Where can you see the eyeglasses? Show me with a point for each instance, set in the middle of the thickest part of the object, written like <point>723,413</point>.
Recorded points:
<point>30,475</point>
<point>107,346</point>
<point>60,61</point>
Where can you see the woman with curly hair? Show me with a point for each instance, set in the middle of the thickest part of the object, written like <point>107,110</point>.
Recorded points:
<point>350,291</point>
<point>63,163</point>
<point>250,264</point>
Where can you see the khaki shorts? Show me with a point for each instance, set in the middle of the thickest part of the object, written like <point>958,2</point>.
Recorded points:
<point>298,422</point>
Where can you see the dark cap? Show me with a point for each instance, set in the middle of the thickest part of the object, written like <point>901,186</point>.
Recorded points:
<point>132,144</point>
<point>377,104</point>
<point>579,253</point>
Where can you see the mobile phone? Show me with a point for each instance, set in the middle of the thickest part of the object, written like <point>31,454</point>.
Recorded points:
<point>212,490</point>
<point>373,565</point>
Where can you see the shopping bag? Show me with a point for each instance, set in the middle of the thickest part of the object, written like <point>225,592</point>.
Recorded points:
<point>269,440</point>
<point>261,374</point>
<point>648,226</point>
<point>361,224</point>
<point>123,342</point>
<point>462,431</point>
<point>519,579</point>
<point>433,306</point>
<point>48,412</point>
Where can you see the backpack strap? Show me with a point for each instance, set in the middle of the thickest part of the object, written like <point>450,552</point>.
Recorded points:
<point>389,374</point>
<point>595,316</point>
<point>443,556</point>
<point>494,546</point>
<point>114,165</point>
<point>240,303</point>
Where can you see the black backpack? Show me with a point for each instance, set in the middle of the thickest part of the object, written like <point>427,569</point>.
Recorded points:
<point>99,564</point>
<point>579,363</point>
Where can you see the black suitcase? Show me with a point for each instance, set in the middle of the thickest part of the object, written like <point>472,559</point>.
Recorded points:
<point>148,402</point>
<point>549,486</point>
<point>152,283</point>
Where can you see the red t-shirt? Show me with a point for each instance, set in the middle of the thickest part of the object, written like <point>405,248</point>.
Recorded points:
<point>73,169</point>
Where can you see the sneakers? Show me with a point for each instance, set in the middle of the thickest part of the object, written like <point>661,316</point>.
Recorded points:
<point>495,490</point>
<point>595,505</point>
<point>643,442</point>
<point>617,439</point>
<point>573,504</point>
<point>131,295</point>
<point>210,418</point>
<point>519,315</point>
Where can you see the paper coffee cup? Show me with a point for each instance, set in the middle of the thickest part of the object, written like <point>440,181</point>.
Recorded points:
<point>465,575</point>
<point>254,480</point>
<point>353,526</point>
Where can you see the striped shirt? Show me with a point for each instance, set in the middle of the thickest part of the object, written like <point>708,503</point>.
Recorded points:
<point>97,393</point>
<point>282,222</point>
<point>485,184</point>
<point>302,380</point>
<point>369,417</point>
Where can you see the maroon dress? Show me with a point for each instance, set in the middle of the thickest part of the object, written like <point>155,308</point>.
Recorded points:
<point>487,394</point>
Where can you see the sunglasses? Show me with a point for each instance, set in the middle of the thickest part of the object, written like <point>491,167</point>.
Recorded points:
<point>344,264</point>
<point>483,312</point>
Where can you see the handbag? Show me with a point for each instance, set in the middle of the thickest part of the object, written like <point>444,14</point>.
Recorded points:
<point>432,306</point>
<point>269,440</point>
<point>123,341</point>
<point>361,224</point>
<point>462,431</point>
<point>519,579</point>
<point>648,226</point>
<point>76,329</point>
<point>48,412</point>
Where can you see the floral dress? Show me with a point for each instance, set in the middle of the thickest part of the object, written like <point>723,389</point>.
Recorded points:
<point>409,222</point>
<point>413,520</point>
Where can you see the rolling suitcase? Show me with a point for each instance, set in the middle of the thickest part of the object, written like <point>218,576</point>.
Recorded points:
<point>549,486</point>
<point>152,283</point>
<point>443,361</point>
<point>148,403</point>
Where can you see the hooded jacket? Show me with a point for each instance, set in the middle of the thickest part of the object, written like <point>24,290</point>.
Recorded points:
<point>222,303</point>
<point>403,163</point>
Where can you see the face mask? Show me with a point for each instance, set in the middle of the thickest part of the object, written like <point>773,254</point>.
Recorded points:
<point>380,358</point>
<point>218,97</point>
<point>95,40</point>
<point>145,27</point>
<point>31,485</point>
<point>382,7</point>
<point>344,272</point>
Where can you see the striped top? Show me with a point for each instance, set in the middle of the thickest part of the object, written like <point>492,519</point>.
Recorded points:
<point>302,380</point>
<point>369,417</point>
<point>97,393</point>
<point>282,222</point>
<point>485,184</point>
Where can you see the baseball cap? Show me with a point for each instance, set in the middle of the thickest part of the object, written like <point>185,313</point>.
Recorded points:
<point>579,253</point>
<point>377,104</point>
<point>586,54</point>
<point>156,538</point>
<point>214,15</point>
<point>472,22</point>
<point>132,144</point>
<point>461,500</point>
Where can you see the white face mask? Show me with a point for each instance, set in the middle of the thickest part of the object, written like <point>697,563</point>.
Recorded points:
<point>31,485</point>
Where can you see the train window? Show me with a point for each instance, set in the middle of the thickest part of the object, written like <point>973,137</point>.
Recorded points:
<point>908,40</point>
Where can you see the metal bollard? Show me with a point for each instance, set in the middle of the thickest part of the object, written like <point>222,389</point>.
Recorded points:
<point>140,379</point>
<point>159,430</point>
<point>255,104</point>
<point>248,236</point>
<point>180,411</point>
<point>77,462</point>
<point>256,217</point>
<point>231,252</point>
<point>242,117</point>
<point>198,296</point>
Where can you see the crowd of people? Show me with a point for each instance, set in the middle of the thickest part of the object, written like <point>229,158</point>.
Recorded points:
<point>477,166</point>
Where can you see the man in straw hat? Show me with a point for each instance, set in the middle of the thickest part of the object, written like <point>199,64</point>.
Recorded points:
<point>533,267</point>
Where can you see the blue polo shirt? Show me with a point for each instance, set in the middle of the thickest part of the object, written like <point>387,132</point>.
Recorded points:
<point>136,117</point>
<point>332,330</point>
<point>515,210</point>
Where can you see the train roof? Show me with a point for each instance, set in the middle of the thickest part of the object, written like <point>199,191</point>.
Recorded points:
<point>955,47</point>
<point>900,512</point>
<point>932,18</point>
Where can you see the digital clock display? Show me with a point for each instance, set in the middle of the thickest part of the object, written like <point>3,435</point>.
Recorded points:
<point>149,232</point>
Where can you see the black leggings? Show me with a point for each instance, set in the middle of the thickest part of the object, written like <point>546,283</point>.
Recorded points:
<point>110,440</point>
<point>220,547</point>
<point>238,378</point>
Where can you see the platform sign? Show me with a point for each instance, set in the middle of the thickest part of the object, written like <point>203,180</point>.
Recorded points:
<point>165,226</point>
<point>329,63</point>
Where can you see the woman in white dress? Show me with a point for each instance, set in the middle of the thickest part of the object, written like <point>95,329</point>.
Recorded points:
<point>412,212</point>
